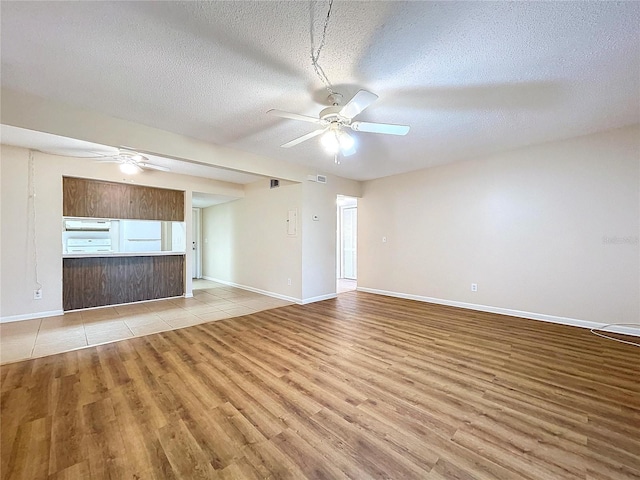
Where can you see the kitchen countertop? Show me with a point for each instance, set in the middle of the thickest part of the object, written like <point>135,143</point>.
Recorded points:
<point>119,254</point>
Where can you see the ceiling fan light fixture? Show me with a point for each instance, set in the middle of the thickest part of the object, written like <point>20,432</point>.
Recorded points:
<point>335,140</point>
<point>330,141</point>
<point>346,141</point>
<point>129,168</point>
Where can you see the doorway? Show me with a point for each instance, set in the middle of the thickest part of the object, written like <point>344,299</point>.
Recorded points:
<point>347,244</point>
<point>196,257</point>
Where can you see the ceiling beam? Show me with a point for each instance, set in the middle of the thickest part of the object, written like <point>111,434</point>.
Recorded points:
<point>28,111</point>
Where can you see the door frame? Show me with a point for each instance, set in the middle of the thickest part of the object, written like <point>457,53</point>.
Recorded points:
<point>196,239</point>
<point>342,269</point>
<point>340,236</point>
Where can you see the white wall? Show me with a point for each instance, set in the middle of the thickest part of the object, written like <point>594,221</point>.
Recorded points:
<point>247,243</point>
<point>528,226</point>
<point>319,237</point>
<point>16,257</point>
<point>18,264</point>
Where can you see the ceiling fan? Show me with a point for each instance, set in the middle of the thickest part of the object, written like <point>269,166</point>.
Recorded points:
<point>131,162</point>
<point>335,120</point>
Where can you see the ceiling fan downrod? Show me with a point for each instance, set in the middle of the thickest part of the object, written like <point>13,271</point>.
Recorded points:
<point>335,99</point>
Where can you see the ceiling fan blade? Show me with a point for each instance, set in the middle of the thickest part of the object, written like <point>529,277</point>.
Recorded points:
<point>358,103</point>
<point>105,160</point>
<point>387,128</point>
<point>303,138</point>
<point>151,166</point>
<point>294,116</point>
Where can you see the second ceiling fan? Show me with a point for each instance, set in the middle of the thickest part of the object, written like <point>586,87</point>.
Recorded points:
<point>131,162</point>
<point>335,120</point>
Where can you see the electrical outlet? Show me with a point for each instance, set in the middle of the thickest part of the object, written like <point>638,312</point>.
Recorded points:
<point>288,281</point>
<point>37,294</point>
<point>474,287</point>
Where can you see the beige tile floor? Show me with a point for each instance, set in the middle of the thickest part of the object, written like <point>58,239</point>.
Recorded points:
<point>46,336</point>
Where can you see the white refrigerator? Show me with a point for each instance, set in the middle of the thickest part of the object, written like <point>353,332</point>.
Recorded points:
<point>141,236</point>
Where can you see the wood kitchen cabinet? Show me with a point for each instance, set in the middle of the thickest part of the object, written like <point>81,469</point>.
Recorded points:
<point>113,280</point>
<point>74,197</point>
<point>98,199</point>
<point>173,205</point>
<point>102,199</point>
<point>144,203</point>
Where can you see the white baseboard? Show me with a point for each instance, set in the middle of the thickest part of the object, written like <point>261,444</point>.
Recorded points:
<point>188,295</point>
<point>299,301</point>
<point>55,313</point>
<point>31,316</point>
<point>255,290</point>
<point>507,311</point>
<point>319,298</point>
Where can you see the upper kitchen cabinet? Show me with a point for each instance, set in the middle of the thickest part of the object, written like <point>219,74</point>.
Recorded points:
<point>145,203</point>
<point>74,197</point>
<point>172,204</point>
<point>103,199</point>
<point>97,199</point>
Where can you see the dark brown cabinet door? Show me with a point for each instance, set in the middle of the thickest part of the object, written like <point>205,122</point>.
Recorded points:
<point>170,204</point>
<point>74,193</point>
<point>98,281</point>
<point>103,199</point>
<point>86,283</point>
<point>124,202</point>
<point>143,203</point>
<point>119,289</point>
<point>139,278</point>
<point>167,276</point>
<point>177,206</point>
<point>98,199</point>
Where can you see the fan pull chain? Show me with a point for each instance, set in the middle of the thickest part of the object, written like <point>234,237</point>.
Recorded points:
<point>315,55</point>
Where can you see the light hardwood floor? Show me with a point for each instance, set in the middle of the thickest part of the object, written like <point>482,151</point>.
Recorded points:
<point>46,336</point>
<point>362,386</point>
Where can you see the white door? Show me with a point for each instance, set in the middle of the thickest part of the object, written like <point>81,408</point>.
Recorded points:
<point>349,242</point>
<point>195,244</point>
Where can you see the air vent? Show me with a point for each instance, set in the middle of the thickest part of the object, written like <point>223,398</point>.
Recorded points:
<point>317,178</point>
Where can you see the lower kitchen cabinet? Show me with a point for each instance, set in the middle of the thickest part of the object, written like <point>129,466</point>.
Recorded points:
<point>112,280</point>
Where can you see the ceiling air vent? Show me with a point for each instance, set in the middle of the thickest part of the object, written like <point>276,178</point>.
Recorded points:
<point>317,178</point>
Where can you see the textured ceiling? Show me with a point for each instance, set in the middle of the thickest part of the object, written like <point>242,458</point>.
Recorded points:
<point>469,77</point>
